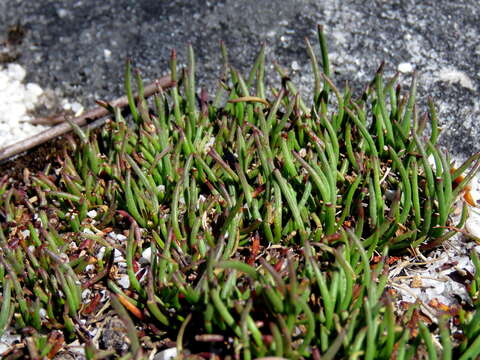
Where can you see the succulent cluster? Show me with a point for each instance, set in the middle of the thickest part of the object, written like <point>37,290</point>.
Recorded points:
<point>253,226</point>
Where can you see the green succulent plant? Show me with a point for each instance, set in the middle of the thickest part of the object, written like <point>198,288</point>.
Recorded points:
<point>262,214</point>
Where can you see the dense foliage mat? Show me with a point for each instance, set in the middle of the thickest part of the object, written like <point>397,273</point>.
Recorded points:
<point>250,224</point>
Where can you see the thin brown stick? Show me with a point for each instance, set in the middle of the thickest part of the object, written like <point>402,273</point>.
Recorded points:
<point>49,120</point>
<point>64,127</point>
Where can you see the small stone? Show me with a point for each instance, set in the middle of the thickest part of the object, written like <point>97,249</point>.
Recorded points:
<point>107,54</point>
<point>116,236</point>
<point>405,68</point>
<point>43,313</point>
<point>147,254</point>
<point>124,281</point>
<point>101,253</point>
<point>295,66</point>
<point>77,108</point>
<point>167,354</point>
<point>390,194</point>
<point>473,226</point>
<point>7,340</point>
<point>117,256</point>
<point>86,294</point>
<point>121,237</point>
<point>17,99</point>
<point>114,336</point>
<point>62,13</point>
<point>34,90</point>
<point>89,268</point>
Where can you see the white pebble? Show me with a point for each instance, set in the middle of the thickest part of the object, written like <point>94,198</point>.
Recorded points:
<point>101,253</point>
<point>124,281</point>
<point>295,66</point>
<point>147,254</point>
<point>117,254</point>
<point>62,13</point>
<point>18,100</point>
<point>473,226</point>
<point>167,354</point>
<point>43,313</point>
<point>107,54</point>
<point>34,89</point>
<point>89,268</point>
<point>405,68</point>
<point>121,237</point>
<point>7,340</point>
<point>77,108</point>
<point>86,294</point>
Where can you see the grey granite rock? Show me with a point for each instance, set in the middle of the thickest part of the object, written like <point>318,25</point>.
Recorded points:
<point>79,47</point>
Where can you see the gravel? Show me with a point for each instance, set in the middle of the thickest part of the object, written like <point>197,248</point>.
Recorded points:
<point>438,278</point>
<point>17,100</point>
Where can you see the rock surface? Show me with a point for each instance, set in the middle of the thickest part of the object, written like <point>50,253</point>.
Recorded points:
<point>79,47</point>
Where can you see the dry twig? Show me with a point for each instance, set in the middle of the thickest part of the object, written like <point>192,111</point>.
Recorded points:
<point>94,114</point>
